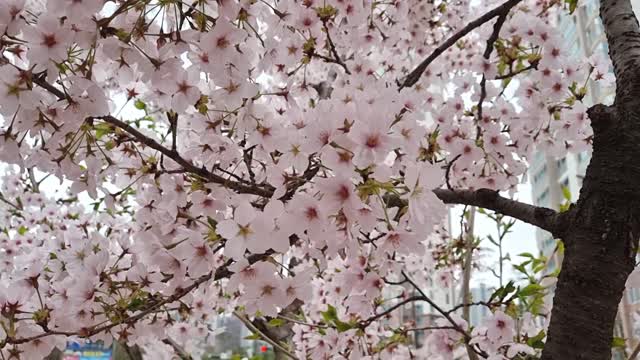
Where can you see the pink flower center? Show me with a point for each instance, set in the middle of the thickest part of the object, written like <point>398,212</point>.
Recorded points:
<point>343,193</point>
<point>222,43</point>
<point>267,290</point>
<point>49,40</point>
<point>311,213</point>
<point>373,141</point>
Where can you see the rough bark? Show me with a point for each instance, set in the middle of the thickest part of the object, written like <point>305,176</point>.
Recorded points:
<point>603,228</point>
<point>601,242</point>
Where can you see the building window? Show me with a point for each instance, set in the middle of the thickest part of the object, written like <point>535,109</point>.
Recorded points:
<point>551,265</point>
<point>543,198</point>
<point>549,241</point>
<point>633,294</point>
<point>562,165</point>
<point>540,175</point>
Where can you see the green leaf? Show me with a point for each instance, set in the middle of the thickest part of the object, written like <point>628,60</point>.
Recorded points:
<point>560,247</point>
<point>253,336</point>
<point>22,230</point>
<point>342,326</point>
<point>531,289</point>
<point>102,129</point>
<point>135,304</point>
<point>536,341</point>
<point>566,193</point>
<point>502,292</point>
<point>276,322</point>
<point>140,105</point>
<point>618,342</point>
<point>521,268</point>
<point>573,5</point>
<point>330,315</point>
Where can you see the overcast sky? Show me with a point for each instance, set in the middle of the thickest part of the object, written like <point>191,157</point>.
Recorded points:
<point>521,239</point>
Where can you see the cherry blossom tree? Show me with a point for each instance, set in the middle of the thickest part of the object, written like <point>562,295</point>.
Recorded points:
<point>291,163</point>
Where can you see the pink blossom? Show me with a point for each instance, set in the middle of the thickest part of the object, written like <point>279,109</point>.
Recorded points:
<point>500,327</point>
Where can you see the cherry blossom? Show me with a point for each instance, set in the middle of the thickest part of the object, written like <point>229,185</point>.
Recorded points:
<point>169,164</point>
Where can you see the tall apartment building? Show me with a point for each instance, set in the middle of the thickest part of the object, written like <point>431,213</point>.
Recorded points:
<point>478,314</point>
<point>584,36</point>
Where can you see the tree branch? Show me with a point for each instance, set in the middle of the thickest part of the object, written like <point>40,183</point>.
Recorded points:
<point>239,187</point>
<point>388,311</point>
<point>264,337</point>
<point>178,349</point>
<point>487,55</point>
<point>541,217</point>
<point>220,273</point>
<point>634,354</point>
<point>187,165</point>
<point>423,296</point>
<point>415,75</point>
<point>623,36</point>
<point>466,271</point>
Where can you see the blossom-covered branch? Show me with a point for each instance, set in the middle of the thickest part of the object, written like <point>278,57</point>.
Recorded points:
<point>500,11</point>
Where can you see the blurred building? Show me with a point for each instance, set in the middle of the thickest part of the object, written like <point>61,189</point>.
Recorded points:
<point>419,314</point>
<point>479,313</point>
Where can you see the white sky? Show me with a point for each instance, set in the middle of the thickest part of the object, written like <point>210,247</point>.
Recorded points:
<point>521,239</point>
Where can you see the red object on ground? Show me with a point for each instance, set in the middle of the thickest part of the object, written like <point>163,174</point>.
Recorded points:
<point>264,348</point>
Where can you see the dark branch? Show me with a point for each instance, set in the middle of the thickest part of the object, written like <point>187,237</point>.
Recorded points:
<point>186,164</point>
<point>446,315</point>
<point>415,75</point>
<point>541,217</point>
<point>487,55</point>
<point>511,74</point>
<point>178,349</point>
<point>388,311</point>
<point>239,187</point>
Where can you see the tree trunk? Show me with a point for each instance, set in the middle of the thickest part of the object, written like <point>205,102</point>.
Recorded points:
<point>602,230</point>
<point>601,241</point>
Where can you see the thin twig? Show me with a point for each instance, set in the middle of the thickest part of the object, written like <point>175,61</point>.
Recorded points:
<point>415,75</point>
<point>368,321</point>
<point>426,328</point>
<point>303,323</point>
<point>514,73</point>
<point>635,352</point>
<point>446,315</point>
<point>449,166</point>
<point>178,349</point>
<point>487,55</point>
<point>332,48</point>
<point>466,279</point>
<point>6,201</point>
<point>264,336</point>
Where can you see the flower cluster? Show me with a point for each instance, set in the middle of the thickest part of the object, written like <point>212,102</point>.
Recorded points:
<point>259,158</point>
